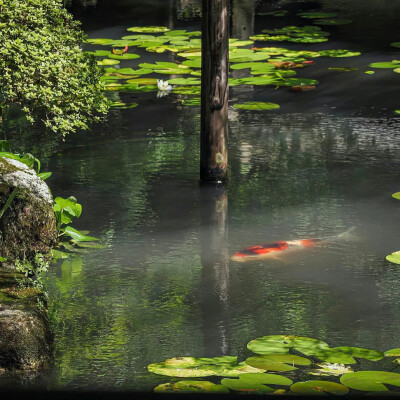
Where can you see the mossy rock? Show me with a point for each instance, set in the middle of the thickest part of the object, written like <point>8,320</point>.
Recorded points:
<point>28,226</point>
<point>26,338</point>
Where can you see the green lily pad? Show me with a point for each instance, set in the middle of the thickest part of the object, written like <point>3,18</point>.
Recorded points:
<point>238,369</point>
<point>131,71</point>
<point>392,353</point>
<point>256,105</point>
<point>277,362</point>
<point>345,354</point>
<point>274,344</point>
<point>194,101</point>
<point>396,195</point>
<point>394,257</point>
<point>246,55</point>
<point>369,72</point>
<point>370,381</point>
<point>184,81</point>
<point>344,69</point>
<point>319,388</point>
<point>397,111</point>
<point>338,53</point>
<point>134,87</point>
<point>143,38</point>
<point>397,70</point>
<point>239,43</point>
<point>125,56</point>
<point>123,43</point>
<point>100,53</point>
<point>332,21</point>
<point>143,81</point>
<point>101,41</point>
<point>297,82</point>
<point>372,355</point>
<point>148,29</point>
<point>317,14</point>
<point>393,64</point>
<point>120,105</point>
<point>191,387</point>
<point>250,383</point>
<point>190,54</point>
<point>256,67</point>
<point>187,367</point>
<point>187,90</point>
<point>395,44</point>
<point>194,63</point>
<point>280,13</point>
<point>107,61</point>
<point>255,80</point>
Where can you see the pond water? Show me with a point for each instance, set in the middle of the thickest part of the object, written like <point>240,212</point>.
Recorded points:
<point>164,285</point>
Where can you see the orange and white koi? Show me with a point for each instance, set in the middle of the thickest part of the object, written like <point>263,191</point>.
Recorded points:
<point>273,250</point>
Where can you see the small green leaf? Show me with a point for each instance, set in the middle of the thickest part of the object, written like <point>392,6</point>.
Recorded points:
<point>392,353</point>
<point>394,257</point>
<point>249,383</point>
<point>44,175</point>
<point>256,105</point>
<point>191,387</point>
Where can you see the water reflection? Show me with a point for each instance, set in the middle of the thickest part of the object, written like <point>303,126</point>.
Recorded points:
<point>214,284</point>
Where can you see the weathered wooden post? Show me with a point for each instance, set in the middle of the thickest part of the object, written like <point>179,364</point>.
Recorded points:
<point>214,91</point>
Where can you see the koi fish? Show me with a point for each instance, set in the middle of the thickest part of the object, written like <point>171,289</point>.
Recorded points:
<point>273,250</point>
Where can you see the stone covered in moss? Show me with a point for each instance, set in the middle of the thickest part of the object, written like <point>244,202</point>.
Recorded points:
<point>28,226</point>
<point>26,340</point>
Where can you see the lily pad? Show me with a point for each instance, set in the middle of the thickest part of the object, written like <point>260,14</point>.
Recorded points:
<point>191,387</point>
<point>194,101</point>
<point>394,257</point>
<point>148,29</point>
<point>370,381</point>
<point>194,63</point>
<point>246,55</point>
<point>120,105</point>
<point>297,82</point>
<point>393,64</point>
<point>395,44</point>
<point>256,383</point>
<point>100,53</point>
<point>239,43</point>
<point>279,13</point>
<point>241,368</point>
<point>131,71</point>
<point>187,367</point>
<point>327,369</point>
<point>107,61</point>
<point>277,362</point>
<point>343,69</point>
<point>345,354</point>
<point>255,80</point>
<point>339,53</point>
<point>125,56</point>
<point>342,21</point>
<point>317,14</point>
<point>397,70</point>
<point>319,388</point>
<point>392,353</point>
<point>256,105</point>
<point>143,81</point>
<point>184,81</point>
<point>274,344</point>
<point>101,41</point>
<point>187,90</point>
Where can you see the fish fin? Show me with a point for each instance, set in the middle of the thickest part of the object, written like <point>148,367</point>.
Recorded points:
<point>348,235</point>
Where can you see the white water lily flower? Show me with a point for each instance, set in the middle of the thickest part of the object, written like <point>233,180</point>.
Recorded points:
<point>163,86</point>
<point>331,369</point>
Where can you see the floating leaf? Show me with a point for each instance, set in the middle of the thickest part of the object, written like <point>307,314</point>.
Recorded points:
<point>319,388</point>
<point>194,101</point>
<point>187,90</point>
<point>317,14</point>
<point>297,81</point>
<point>130,71</point>
<point>101,41</point>
<point>238,369</point>
<point>395,44</point>
<point>392,353</point>
<point>184,81</point>
<point>125,56</point>
<point>255,80</point>
<point>249,383</point>
<point>280,13</point>
<point>143,81</point>
<point>107,61</point>
<point>394,257</point>
<point>332,21</point>
<point>393,64</point>
<point>99,53</point>
<point>256,105</point>
<point>123,43</point>
<point>194,63</point>
<point>338,53</point>
<point>282,343</point>
<point>239,43</point>
<point>344,69</point>
<point>246,55</point>
<point>277,362</point>
<point>120,105</point>
<point>148,29</point>
<point>191,387</point>
<point>397,111</point>
<point>370,381</point>
<point>397,70</point>
<point>370,72</point>
<point>396,195</point>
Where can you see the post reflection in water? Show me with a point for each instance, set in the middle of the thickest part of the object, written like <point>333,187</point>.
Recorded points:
<point>214,286</point>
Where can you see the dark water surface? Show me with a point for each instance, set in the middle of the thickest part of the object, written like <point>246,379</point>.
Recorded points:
<point>164,286</point>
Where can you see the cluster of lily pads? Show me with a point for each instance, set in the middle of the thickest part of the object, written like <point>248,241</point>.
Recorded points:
<point>275,66</point>
<point>279,360</point>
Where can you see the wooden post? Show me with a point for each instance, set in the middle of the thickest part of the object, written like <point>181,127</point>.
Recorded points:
<point>214,91</point>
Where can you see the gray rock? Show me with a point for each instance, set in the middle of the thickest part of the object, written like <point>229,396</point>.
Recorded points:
<point>28,226</point>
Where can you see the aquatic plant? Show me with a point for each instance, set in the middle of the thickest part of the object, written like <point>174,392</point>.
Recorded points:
<point>43,69</point>
<point>275,354</point>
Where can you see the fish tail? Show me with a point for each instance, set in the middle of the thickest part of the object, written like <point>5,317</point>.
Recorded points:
<point>348,235</point>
